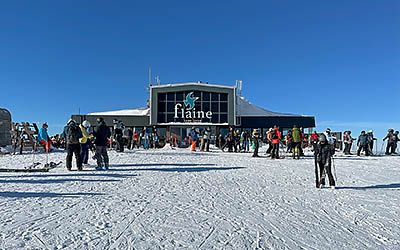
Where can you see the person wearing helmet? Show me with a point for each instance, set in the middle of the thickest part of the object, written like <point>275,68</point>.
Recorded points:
<point>362,144</point>
<point>323,162</point>
<point>391,141</point>
<point>72,135</point>
<point>102,135</point>
<point>85,141</point>
<point>44,138</point>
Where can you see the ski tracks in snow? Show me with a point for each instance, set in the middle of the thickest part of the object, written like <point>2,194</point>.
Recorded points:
<point>182,200</point>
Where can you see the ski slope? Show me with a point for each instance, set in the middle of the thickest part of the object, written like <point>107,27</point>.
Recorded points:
<point>175,199</point>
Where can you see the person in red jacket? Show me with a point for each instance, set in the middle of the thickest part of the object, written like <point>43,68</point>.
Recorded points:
<point>276,138</point>
<point>314,140</point>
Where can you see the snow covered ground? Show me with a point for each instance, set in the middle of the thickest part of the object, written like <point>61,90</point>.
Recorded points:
<point>174,199</point>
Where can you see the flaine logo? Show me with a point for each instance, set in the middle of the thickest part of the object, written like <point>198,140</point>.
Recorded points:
<point>188,110</point>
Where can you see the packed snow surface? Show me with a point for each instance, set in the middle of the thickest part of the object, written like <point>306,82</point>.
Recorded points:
<point>175,199</point>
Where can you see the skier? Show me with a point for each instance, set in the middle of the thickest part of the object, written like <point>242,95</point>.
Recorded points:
<point>296,142</point>
<point>44,138</point>
<point>72,135</point>
<point>154,138</point>
<point>362,143</point>
<point>127,137</point>
<point>205,143</point>
<point>371,140</point>
<point>136,141</point>
<point>269,141</point>
<point>256,142</point>
<point>396,140</point>
<point>289,141</point>
<point>391,141</point>
<point>85,141</point>
<point>323,162</point>
<point>244,138</point>
<point>348,142</point>
<point>229,140</point>
<point>194,135</point>
<point>102,134</point>
<point>118,128</point>
<point>314,140</point>
<point>330,139</point>
<point>276,138</point>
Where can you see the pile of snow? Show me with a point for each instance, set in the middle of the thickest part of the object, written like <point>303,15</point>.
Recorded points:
<point>6,149</point>
<point>177,199</point>
<point>168,147</point>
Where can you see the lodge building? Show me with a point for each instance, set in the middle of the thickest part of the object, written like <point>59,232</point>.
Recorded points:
<point>174,108</point>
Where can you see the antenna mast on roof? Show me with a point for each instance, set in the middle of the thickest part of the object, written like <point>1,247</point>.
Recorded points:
<point>149,76</point>
<point>239,86</point>
<point>158,80</point>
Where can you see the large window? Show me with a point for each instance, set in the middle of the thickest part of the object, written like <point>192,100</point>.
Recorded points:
<point>208,107</point>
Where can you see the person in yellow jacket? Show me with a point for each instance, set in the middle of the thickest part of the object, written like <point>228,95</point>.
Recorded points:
<point>296,142</point>
<point>85,141</point>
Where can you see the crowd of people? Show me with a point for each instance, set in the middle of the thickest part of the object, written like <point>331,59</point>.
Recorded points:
<point>79,139</point>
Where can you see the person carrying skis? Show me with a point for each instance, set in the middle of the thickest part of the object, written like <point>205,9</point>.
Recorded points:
<point>296,142</point>
<point>44,138</point>
<point>348,142</point>
<point>362,144</point>
<point>102,134</point>
<point>323,161</point>
<point>85,141</point>
<point>391,141</point>
<point>256,142</point>
<point>276,139</point>
<point>72,134</point>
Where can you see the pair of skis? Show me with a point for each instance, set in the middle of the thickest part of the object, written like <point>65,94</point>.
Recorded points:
<point>33,168</point>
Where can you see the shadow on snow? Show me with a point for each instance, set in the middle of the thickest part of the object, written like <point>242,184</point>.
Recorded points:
<point>44,195</point>
<point>380,186</point>
<point>51,181</point>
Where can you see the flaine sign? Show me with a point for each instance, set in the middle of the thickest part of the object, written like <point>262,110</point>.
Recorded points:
<point>188,112</point>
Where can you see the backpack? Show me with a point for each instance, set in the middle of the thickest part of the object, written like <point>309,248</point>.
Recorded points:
<point>274,135</point>
<point>73,134</point>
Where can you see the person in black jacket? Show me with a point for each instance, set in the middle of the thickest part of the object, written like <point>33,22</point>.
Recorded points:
<point>362,144</point>
<point>323,161</point>
<point>72,133</point>
<point>391,141</point>
<point>396,140</point>
<point>102,134</point>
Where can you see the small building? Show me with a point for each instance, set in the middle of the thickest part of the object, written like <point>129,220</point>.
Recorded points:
<point>5,127</point>
<point>174,108</point>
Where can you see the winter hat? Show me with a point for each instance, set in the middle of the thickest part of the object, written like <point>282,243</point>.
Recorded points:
<point>86,124</point>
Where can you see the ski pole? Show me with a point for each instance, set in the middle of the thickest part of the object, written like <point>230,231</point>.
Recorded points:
<point>334,169</point>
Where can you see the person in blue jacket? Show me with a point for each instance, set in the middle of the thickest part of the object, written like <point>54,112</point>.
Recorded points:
<point>43,137</point>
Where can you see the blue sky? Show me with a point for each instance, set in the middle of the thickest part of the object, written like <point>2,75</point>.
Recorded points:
<point>337,60</point>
